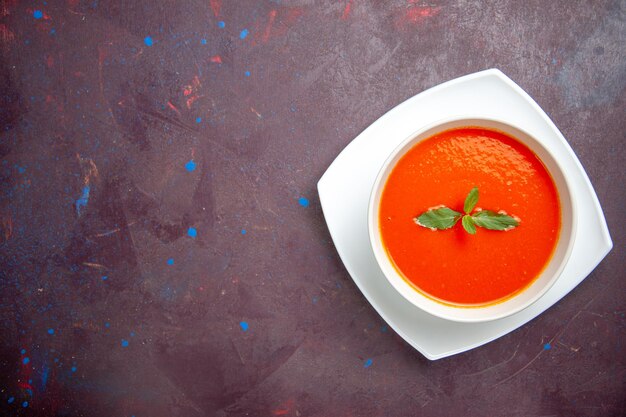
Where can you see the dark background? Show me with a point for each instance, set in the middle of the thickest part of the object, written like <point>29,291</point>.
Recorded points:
<point>257,316</point>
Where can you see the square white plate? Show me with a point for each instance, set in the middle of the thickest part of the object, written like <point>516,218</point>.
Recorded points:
<point>345,188</point>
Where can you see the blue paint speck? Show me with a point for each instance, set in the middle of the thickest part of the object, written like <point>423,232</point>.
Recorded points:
<point>107,324</point>
<point>132,334</point>
<point>190,166</point>
<point>244,326</point>
<point>244,231</point>
<point>198,119</point>
<point>303,202</point>
<point>170,261</point>
<point>74,369</point>
<point>11,399</point>
<point>124,343</point>
<point>23,351</point>
<point>25,404</point>
<point>37,14</point>
<point>221,24</point>
<point>25,361</point>
<point>104,278</point>
<point>83,200</point>
<point>50,331</point>
<point>44,376</point>
<point>247,73</point>
<point>148,41</point>
<point>203,41</point>
<point>547,346</point>
<point>243,34</point>
<point>383,329</point>
<point>368,363</point>
<point>314,300</point>
<point>192,232</point>
<point>53,31</point>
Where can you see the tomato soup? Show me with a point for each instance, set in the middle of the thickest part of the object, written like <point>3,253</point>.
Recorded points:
<point>452,266</point>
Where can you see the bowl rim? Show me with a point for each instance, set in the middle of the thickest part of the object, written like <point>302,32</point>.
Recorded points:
<point>399,283</point>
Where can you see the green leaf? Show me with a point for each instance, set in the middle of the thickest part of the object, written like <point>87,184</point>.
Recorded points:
<point>471,200</point>
<point>439,218</point>
<point>468,224</point>
<point>494,221</point>
<point>443,217</point>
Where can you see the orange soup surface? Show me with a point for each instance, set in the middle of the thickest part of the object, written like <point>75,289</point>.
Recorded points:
<point>450,265</point>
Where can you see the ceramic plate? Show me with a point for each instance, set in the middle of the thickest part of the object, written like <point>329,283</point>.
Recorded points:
<point>345,188</point>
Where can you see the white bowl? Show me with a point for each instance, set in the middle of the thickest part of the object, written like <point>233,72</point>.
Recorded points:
<point>346,186</point>
<point>511,305</point>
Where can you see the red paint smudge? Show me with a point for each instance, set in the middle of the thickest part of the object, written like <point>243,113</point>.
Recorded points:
<point>270,23</point>
<point>346,10</point>
<point>284,408</point>
<point>191,91</point>
<point>191,100</point>
<point>414,13</point>
<point>6,6</point>
<point>216,59</point>
<point>215,6</point>
<point>73,3</point>
<point>25,373</point>
<point>276,24</point>
<point>173,107</point>
<point>89,169</point>
<point>25,385</point>
<point>190,88</point>
<point>6,36</point>
<point>253,110</point>
<point>50,61</point>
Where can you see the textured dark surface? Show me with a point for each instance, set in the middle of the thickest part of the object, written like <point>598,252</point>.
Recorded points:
<point>103,105</point>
